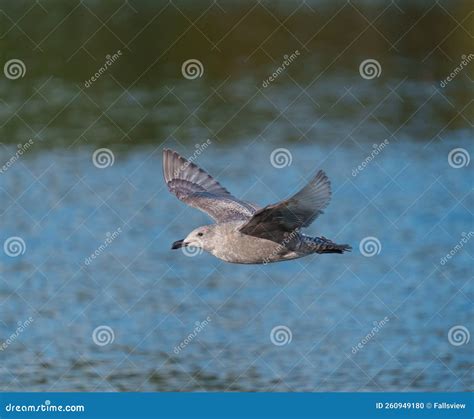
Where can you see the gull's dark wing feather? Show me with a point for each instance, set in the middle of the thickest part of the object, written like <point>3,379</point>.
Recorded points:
<point>274,222</point>
<point>198,189</point>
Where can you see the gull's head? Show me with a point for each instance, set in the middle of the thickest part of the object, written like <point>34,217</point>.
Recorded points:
<point>201,237</point>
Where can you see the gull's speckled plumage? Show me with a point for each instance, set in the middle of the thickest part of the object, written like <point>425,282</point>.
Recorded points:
<point>245,232</point>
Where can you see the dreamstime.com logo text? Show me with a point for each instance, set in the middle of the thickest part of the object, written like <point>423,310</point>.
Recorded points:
<point>281,246</point>
<point>200,148</point>
<point>377,149</point>
<point>47,406</point>
<point>109,60</point>
<point>287,60</point>
<point>465,237</point>
<point>110,237</point>
<point>22,325</point>
<point>378,325</point>
<point>22,149</point>
<point>200,326</point>
<point>465,60</point>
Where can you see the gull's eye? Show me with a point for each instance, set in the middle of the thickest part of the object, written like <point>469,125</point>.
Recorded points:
<point>200,234</point>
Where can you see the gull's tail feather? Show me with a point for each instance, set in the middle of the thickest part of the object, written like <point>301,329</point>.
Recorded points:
<point>323,245</point>
<point>335,248</point>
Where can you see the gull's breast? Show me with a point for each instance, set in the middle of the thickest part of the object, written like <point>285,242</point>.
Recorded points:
<point>236,247</point>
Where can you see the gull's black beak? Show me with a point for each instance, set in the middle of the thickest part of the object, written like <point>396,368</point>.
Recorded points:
<point>178,244</point>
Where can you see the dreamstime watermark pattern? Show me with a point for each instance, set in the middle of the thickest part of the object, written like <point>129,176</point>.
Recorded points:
<point>14,69</point>
<point>281,335</point>
<point>458,158</point>
<point>378,325</point>
<point>465,60</point>
<point>465,237</point>
<point>459,335</point>
<point>14,246</point>
<point>199,149</point>
<point>370,69</point>
<point>103,158</point>
<point>370,246</point>
<point>192,69</point>
<point>281,246</point>
<point>109,60</point>
<point>199,327</point>
<point>110,237</point>
<point>103,335</point>
<point>192,250</point>
<point>280,158</point>
<point>377,149</point>
<point>287,60</point>
<point>22,149</point>
<point>22,325</point>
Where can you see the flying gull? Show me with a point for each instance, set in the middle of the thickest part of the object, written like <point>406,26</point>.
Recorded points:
<point>244,232</point>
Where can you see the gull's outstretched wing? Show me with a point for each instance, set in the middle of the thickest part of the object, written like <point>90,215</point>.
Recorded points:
<point>274,222</point>
<point>198,189</point>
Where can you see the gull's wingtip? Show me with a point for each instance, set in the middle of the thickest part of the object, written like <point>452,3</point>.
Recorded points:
<point>167,164</point>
